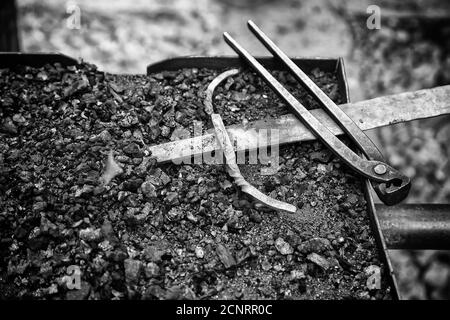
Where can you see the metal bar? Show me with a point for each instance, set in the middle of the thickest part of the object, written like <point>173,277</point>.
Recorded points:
<point>368,114</point>
<point>415,226</point>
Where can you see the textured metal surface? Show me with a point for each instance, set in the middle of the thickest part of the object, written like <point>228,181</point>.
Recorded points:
<point>415,226</point>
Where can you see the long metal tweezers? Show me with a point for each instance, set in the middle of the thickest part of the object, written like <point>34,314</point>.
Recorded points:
<point>390,185</point>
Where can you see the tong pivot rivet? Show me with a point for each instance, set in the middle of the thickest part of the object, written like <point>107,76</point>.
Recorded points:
<point>380,169</point>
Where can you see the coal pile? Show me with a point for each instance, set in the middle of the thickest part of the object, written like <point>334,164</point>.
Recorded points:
<point>79,190</point>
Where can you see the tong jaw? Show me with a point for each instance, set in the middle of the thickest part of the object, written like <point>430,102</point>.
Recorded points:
<point>393,193</point>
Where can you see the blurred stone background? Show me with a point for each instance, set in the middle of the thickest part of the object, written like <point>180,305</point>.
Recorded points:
<point>410,51</point>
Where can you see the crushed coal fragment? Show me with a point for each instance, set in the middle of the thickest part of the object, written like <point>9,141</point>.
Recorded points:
<point>225,256</point>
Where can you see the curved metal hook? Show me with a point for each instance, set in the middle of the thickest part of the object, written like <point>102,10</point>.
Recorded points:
<point>228,150</point>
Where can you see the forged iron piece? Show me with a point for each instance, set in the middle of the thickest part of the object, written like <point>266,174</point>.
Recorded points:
<point>233,169</point>
<point>208,103</point>
<point>229,152</point>
<point>396,186</point>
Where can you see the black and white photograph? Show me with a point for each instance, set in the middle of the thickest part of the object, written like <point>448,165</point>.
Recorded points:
<point>222,151</point>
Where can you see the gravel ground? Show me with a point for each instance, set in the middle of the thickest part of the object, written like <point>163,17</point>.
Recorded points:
<point>406,54</point>
<point>138,230</point>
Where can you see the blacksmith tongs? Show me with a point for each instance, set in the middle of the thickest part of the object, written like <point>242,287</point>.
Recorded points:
<point>390,185</point>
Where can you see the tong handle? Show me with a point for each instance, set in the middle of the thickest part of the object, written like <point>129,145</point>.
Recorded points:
<point>347,125</point>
